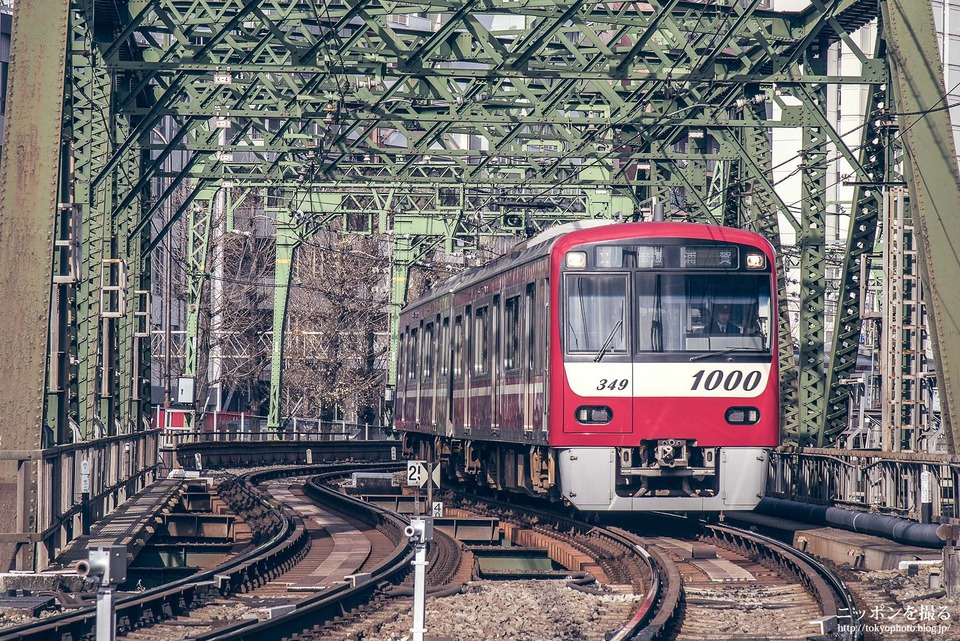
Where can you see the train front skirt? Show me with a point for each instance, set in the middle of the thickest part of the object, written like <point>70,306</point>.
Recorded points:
<point>589,483</point>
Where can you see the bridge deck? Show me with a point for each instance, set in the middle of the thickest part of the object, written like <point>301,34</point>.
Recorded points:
<point>128,525</point>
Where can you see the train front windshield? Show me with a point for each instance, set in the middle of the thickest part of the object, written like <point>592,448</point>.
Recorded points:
<point>678,312</point>
<point>623,311</point>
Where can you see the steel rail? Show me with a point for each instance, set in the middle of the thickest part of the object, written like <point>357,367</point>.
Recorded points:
<point>285,546</point>
<point>662,599</point>
<point>336,601</point>
<point>835,598</point>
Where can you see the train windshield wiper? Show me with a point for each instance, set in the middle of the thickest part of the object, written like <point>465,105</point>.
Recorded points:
<point>723,352</point>
<point>606,343</point>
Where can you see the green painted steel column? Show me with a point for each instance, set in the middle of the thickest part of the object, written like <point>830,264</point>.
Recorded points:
<point>812,269</point>
<point>934,186</point>
<point>198,241</point>
<point>91,88</point>
<point>861,240</point>
<point>286,242</point>
<point>763,219</point>
<point>28,206</point>
<point>128,368</point>
<point>400,272</point>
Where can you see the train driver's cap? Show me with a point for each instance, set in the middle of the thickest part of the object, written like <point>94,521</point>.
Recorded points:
<point>723,308</point>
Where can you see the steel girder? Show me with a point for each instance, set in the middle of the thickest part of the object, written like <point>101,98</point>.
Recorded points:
<point>878,162</point>
<point>761,200</point>
<point>934,186</point>
<point>555,88</point>
<point>441,131</point>
<point>812,267</point>
<point>287,242</point>
<point>543,97</point>
<point>90,92</point>
<point>199,230</point>
<point>29,198</point>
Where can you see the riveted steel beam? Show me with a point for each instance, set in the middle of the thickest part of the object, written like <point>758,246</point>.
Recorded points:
<point>812,278</point>
<point>90,91</point>
<point>763,206</point>
<point>400,115</point>
<point>921,101</point>
<point>287,240</point>
<point>198,242</point>
<point>877,165</point>
<point>28,201</point>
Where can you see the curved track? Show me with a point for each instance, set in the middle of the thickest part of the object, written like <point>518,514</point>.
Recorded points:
<point>803,596</point>
<point>306,550</point>
<point>281,542</point>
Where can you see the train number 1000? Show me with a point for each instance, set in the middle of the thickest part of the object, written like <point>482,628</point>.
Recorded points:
<point>732,380</point>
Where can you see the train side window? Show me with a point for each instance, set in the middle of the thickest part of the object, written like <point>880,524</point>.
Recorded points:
<point>511,334</point>
<point>458,348</point>
<point>481,340</point>
<point>429,348</point>
<point>413,355</point>
<point>443,349</point>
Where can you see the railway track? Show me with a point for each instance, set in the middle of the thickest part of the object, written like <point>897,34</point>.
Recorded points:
<point>287,576</point>
<point>729,584</point>
<point>340,546</point>
<point>280,542</point>
<point>834,598</point>
<point>697,573</point>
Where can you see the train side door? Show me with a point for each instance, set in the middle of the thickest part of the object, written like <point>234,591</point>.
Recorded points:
<point>413,377</point>
<point>496,366</point>
<point>444,377</point>
<point>427,377</point>
<point>529,347</point>
<point>457,369</point>
<point>401,393</point>
<point>468,340</point>
<point>541,398</point>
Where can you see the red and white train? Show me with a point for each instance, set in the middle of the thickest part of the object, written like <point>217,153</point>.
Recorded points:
<point>589,366</point>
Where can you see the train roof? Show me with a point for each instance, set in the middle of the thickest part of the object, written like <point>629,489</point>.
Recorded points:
<point>541,244</point>
<point>523,251</point>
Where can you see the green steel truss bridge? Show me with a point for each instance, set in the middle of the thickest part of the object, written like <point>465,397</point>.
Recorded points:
<point>437,122</point>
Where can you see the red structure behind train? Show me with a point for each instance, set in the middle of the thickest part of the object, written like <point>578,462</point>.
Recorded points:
<point>618,367</point>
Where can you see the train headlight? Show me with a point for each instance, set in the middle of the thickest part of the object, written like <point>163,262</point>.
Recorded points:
<point>594,414</point>
<point>756,261</point>
<point>576,260</point>
<point>742,415</point>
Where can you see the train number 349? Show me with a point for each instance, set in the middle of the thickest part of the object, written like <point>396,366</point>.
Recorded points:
<point>732,380</point>
<point>614,384</point>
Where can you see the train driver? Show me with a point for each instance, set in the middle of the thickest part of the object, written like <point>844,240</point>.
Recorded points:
<point>720,323</point>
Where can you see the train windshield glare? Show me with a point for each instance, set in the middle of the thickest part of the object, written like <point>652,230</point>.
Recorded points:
<point>666,312</point>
